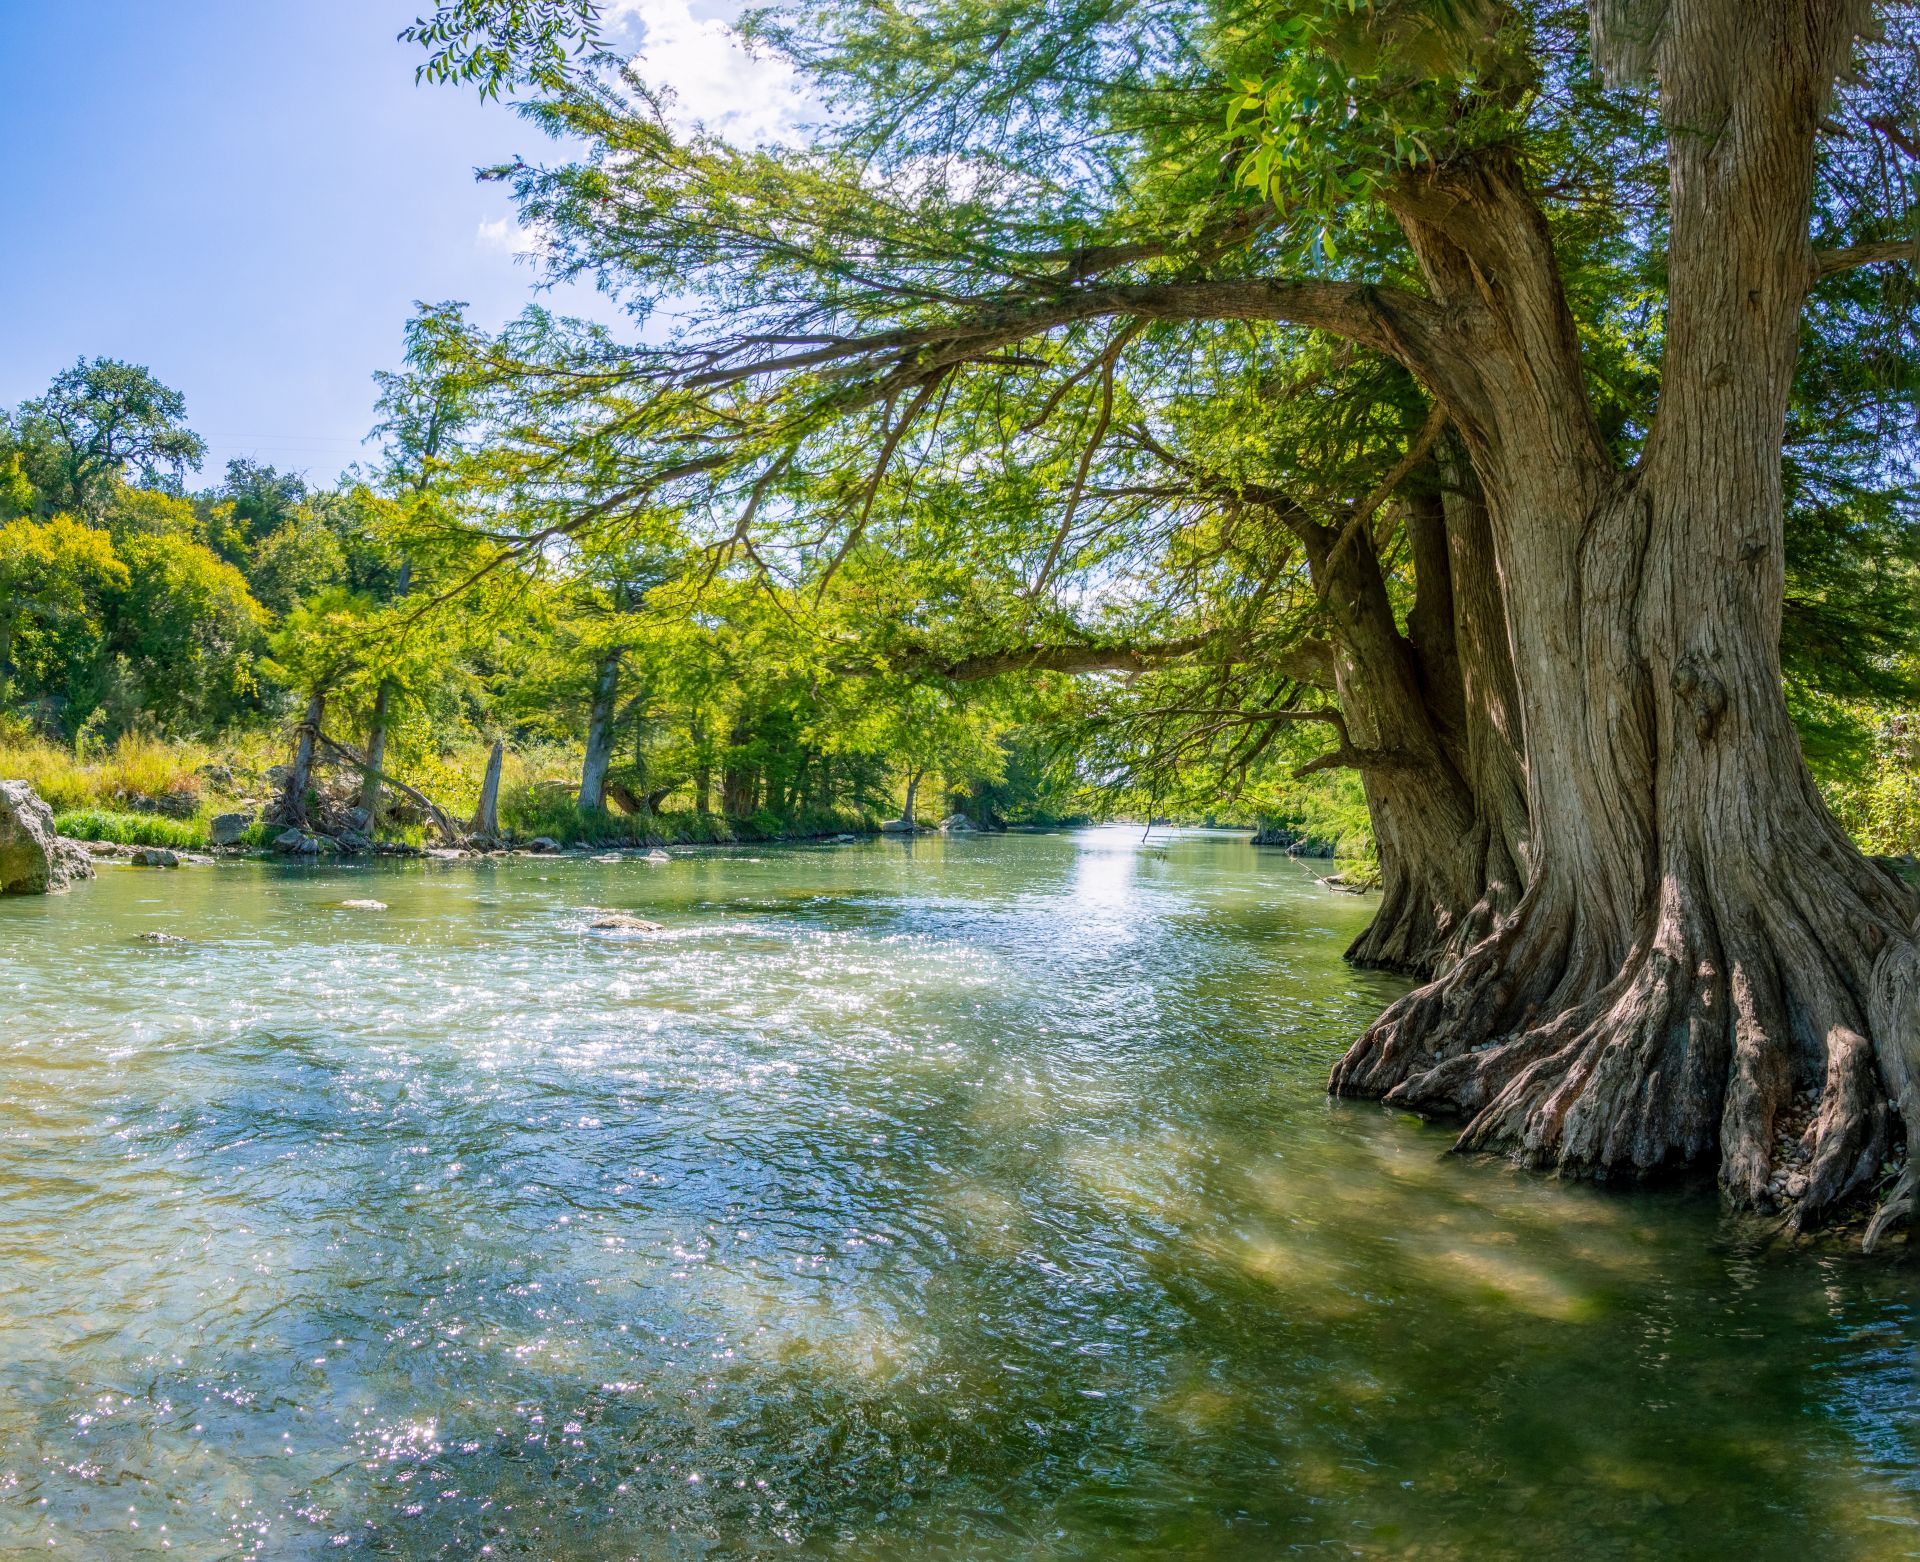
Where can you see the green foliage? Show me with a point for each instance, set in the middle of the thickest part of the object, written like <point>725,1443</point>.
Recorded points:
<point>298,559</point>
<point>886,438</point>
<point>1879,799</point>
<point>60,584</point>
<point>98,419</point>
<point>190,631</point>
<point>262,499</point>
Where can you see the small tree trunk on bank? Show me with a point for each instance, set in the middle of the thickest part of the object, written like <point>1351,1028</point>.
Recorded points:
<point>913,795</point>
<point>600,734</point>
<point>803,786</point>
<point>377,723</point>
<point>486,816</point>
<point>376,754</point>
<point>702,766</point>
<point>300,782</point>
<point>739,782</point>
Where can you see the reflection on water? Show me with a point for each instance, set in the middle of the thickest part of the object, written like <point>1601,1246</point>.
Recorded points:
<point>945,1199</point>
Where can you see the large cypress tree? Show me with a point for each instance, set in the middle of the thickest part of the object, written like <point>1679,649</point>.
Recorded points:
<point>1590,238</point>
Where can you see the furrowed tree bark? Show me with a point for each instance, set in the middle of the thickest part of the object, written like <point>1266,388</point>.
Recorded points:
<point>600,733</point>
<point>1421,809</point>
<point>1698,940</point>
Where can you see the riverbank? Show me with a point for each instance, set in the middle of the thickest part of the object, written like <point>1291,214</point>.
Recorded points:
<point>143,792</point>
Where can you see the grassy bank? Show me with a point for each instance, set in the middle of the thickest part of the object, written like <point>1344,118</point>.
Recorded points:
<point>139,791</point>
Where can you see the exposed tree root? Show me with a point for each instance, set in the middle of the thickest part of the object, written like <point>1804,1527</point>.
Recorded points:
<point>1735,1013</point>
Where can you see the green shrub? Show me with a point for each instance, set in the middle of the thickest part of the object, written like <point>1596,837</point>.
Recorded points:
<point>260,833</point>
<point>100,824</point>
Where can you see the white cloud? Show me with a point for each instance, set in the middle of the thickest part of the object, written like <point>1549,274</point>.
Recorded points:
<point>506,237</point>
<point>751,100</point>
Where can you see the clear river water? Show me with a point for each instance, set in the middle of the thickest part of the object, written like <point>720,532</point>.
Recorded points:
<point>967,1198</point>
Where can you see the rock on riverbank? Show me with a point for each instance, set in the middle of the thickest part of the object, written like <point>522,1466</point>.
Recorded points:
<point>33,858</point>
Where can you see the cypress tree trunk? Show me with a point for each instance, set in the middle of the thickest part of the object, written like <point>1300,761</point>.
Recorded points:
<point>739,782</point>
<point>294,808</point>
<point>1426,719</point>
<point>600,733</point>
<point>486,817</point>
<point>1698,940</point>
<point>702,766</point>
<point>376,754</point>
<point>377,723</point>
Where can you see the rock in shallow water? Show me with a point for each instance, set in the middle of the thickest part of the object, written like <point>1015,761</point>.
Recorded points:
<point>33,858</point>
<point>623,922</point>
<point>363,905</point>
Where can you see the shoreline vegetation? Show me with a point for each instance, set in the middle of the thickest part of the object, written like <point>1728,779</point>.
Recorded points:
<point>145,792</point>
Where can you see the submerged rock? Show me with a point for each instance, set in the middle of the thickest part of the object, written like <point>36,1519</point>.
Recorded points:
<point>623,922</point>
<point>158,938</point>
<point>33,857</point>
<point>363,905</point>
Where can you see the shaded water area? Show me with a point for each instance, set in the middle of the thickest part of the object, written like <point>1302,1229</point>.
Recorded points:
<point>961,1198</point>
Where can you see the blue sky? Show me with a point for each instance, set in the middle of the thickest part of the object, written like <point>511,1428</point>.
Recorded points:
<point>247,196</point>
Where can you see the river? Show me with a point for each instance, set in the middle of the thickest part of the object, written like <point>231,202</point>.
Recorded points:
<point>948,1199</point>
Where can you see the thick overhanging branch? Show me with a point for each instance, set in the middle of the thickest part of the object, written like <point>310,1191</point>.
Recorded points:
<point>1348,757</point>
<point>1832,262</point>
<point>1128,657</point>
<point>1308,662</point>
<point>1388,320</point>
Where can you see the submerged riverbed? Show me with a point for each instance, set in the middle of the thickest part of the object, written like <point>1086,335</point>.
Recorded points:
<point>960,1198</point>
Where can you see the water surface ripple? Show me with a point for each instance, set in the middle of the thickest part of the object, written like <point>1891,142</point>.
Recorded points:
<point>952,1199</point>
